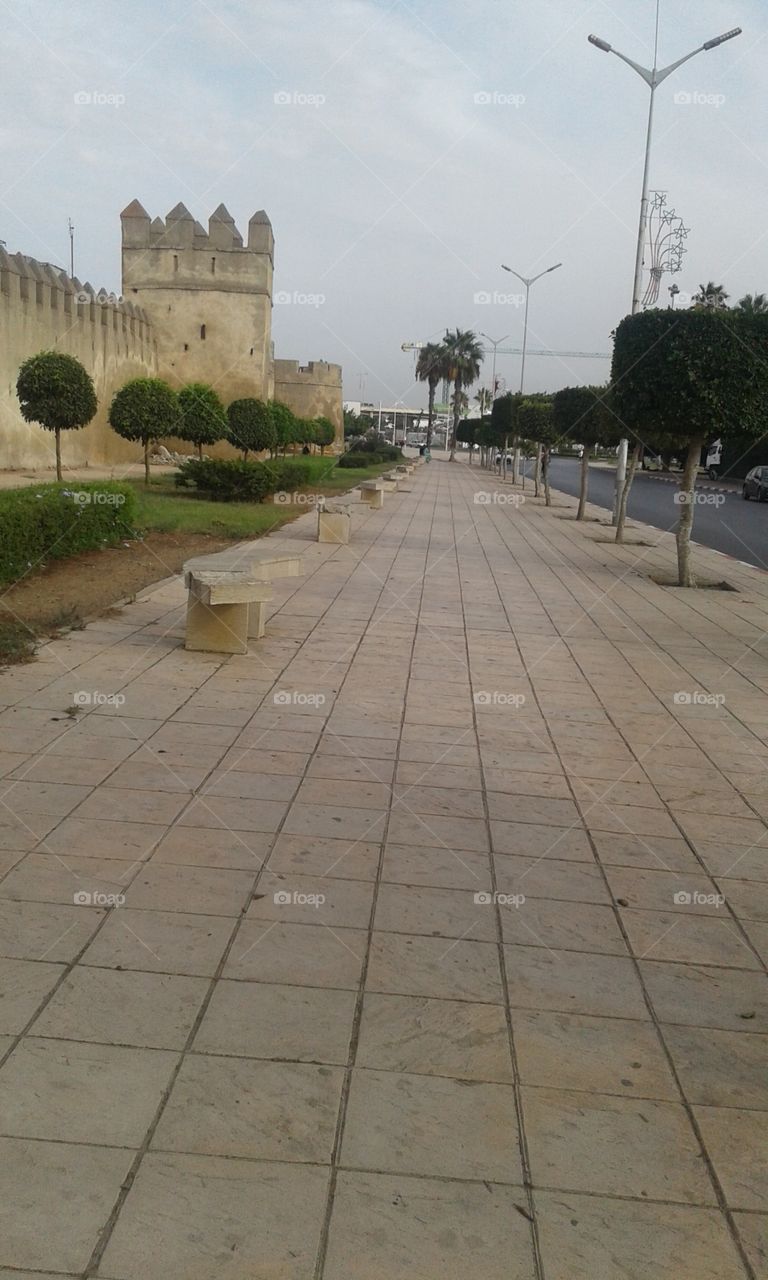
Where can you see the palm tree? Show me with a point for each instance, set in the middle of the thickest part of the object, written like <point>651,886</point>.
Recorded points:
<point>752,304</point>
<point>430,369</point>
<point>463,357</point>
<point>711,296</point>
<point>484,399</point>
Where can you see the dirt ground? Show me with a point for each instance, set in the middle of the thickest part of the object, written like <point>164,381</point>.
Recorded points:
<point>70,591</point>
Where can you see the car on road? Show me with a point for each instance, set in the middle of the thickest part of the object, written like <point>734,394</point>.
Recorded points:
<point>755,484</point>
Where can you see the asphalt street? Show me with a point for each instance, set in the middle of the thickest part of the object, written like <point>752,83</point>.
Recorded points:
<point>723,521</point>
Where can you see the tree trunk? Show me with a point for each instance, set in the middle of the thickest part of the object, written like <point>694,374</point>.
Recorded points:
<point>632,462</point>
<point>503,467</point>
<point>545,474</point>
<point>430,414</point>
<point>537,472</point>
<point>456,412</point>
<point>146,463</point>
<point>57,433</point>
<point>200,451</point>
<point>584,482</point>
<point>684,525</point>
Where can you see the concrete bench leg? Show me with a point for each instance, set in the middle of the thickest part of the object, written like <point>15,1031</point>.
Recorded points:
<point>220,628</point>
<point>374,498</point>
<point>333,526</point>
<point>257,619</point>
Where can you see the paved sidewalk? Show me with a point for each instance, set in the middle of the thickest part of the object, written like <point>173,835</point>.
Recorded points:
<point>442,922</point>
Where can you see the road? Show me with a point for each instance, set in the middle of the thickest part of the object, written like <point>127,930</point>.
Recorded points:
<point>734,526</point>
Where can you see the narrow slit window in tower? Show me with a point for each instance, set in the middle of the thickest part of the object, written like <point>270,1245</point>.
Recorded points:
<point>202,333</point>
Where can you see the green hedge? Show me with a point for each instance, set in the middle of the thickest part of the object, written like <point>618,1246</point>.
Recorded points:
<point>237,480</point>
<point>51,521</point>
<point>358,459</point>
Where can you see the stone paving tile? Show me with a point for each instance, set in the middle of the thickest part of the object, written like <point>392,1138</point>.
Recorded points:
<point>77,1185</point>
<point>737,1142</point>
<point>665,1159</point>
<point>701,996</point>
<point>607,1055</point>
<point>149,1010</point>
<point>421,1228</point>
<point>434,1037</point>
<point>45,931</point>
<point>720,1068</point>
<point>753,1231</point>
<point>302,955</point>
<point>186,1215</point>
<point>588,1237</point>
<point>24,985</point>
<point>261,1020</point>
<point>161,942</point>
<point>436,967</point>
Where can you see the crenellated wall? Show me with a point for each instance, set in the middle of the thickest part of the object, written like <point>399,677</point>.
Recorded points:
<point>312,391</point>
<point>42,308</point>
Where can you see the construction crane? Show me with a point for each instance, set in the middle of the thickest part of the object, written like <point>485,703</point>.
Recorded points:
<point>518,351</point>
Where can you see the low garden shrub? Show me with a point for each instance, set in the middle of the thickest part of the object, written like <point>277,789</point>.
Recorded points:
<point>227,479</point>
<point>51,521</point>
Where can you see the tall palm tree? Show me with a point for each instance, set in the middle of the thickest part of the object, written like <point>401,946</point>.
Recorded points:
<point>712,296</point>
<point>752,304</point>
<point>430,369</point>
<point>484,398</point>
<point>463,357</point>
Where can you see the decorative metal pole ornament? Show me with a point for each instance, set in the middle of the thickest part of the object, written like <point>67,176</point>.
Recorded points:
<point>666,245</point>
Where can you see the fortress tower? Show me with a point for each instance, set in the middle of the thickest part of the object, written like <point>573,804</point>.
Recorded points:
<point>207,295</point>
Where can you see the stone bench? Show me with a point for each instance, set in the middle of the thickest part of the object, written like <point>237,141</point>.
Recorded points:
<point>372,492</point>
<point>228,594</point>
<point>334,524</point>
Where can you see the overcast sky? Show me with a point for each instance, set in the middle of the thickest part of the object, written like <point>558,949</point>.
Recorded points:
<point>402,151</point>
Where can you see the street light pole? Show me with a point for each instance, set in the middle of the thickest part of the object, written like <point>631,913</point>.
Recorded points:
<point>527,281</point>
<point>495,342</point>
<point>653,77</point>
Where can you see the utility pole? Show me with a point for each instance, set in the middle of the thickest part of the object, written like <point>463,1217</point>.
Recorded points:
<point>71,228</point>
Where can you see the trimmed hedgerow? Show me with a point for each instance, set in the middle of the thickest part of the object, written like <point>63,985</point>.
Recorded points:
<point>226,479</point>
<point>50,521</point>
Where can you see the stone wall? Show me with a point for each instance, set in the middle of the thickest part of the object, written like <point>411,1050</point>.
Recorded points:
<point>312,391</point>
<point>42,308</point>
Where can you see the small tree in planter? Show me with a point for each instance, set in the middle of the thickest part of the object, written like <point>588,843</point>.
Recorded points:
<point>504,424</point>
<point>147,410</point>
<point>203,420</point>
<point>579,413</point>
<point>251,428</point>
<point>56,392</point>
<point>681,378</point>
<point>466,434</point>
<point>536,422</point>
<point>284,422</point>
<point>325,433</point>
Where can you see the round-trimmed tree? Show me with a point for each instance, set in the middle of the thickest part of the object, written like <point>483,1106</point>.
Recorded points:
<point>251,428</point>
<point>146,410</point>
<point>535,422</point>
<point>284,421</point>
<point>325,433</point>
<point>203,420</point>
<point>680,378</point>
<point>57,393</point>
<point>579,414</point>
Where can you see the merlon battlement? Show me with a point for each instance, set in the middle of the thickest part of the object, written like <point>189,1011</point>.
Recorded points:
<point>180,230</point>
<point>25,280</point>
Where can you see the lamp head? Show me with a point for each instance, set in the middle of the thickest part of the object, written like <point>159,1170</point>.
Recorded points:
<point>729,35</point>
<point>603,44</point>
